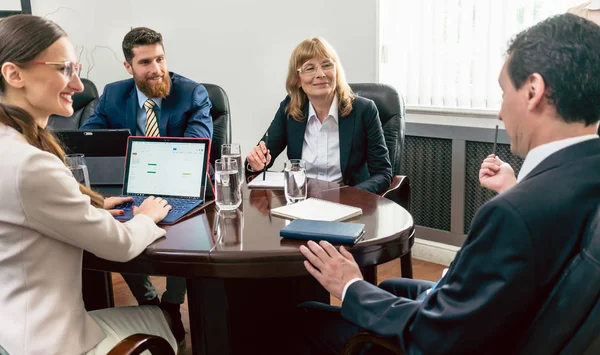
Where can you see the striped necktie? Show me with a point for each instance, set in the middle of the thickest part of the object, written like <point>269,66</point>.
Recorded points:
<point>151,122</point>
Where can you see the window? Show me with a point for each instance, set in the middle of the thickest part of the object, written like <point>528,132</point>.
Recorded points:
<point>448,53</point>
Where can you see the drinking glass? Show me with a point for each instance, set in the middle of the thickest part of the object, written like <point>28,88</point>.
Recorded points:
<point>76,163</point>
<point>233,151</point>
<point>227,184</point>
<point>294,175</point>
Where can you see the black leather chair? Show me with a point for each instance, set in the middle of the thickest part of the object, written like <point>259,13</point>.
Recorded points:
<point>221,120</point>
<point>392,114</point>
<point>84,104</point>
<point>569,320</point>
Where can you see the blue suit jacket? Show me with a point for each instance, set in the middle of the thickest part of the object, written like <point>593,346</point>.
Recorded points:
<point>364,158</point>
<point>185,112</point>
<point>519,245</point>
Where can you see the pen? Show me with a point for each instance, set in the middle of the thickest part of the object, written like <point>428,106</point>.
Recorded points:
<point>495,141</point>
<point>266,146</point>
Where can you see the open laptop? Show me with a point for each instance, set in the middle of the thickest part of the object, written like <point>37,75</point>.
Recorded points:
<point>104,151</point>
<point>171,168</point>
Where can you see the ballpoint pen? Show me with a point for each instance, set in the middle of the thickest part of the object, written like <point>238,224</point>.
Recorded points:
<point>495,141</point>
<point>266,146</point>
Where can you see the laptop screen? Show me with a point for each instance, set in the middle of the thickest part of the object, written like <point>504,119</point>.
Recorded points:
<point>166,167</point>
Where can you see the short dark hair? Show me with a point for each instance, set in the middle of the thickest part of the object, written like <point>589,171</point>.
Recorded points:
<point>139,36</point>
<point>565,51</point>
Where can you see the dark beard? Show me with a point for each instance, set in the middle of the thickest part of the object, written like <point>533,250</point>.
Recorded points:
<point>155,90</point>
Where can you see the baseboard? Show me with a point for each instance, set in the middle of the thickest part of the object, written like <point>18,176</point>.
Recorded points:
<point>434,252</point>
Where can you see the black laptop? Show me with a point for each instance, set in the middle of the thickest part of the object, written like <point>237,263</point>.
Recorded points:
<point>171,168</point>
<point>104,151</point>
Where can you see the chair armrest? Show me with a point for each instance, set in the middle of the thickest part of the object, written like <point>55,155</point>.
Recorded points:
<point>399,191</point>
<point>137,343</point>
<point>359,340</point>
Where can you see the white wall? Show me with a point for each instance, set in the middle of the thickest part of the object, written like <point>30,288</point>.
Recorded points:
<point>243,46</point>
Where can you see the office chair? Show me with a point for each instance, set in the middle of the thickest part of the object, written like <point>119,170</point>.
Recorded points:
<point>221,120</point>
<point>392,114</point>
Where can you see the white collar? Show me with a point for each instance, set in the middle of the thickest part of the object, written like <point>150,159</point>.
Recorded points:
<point>333,109</point>
<point>539,153</point>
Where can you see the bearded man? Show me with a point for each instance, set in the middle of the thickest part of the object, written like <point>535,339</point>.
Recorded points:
<point>154,103</point>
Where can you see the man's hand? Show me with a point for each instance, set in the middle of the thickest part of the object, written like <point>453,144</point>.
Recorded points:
<point>111,202</point>
<point>496,175</point>
<point>331,268</point>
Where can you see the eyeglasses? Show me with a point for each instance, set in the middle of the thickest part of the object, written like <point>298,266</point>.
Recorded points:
<point>67,68</point>
<point>312,68</point>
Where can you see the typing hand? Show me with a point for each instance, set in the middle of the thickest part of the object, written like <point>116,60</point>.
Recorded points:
<point>153,207</point>
<point>111,202</point>
<point>331,268</point>
<point>496,175</point>
<point>259,157</point>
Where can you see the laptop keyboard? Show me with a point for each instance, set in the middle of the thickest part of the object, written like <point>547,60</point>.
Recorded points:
<point>178,204</point>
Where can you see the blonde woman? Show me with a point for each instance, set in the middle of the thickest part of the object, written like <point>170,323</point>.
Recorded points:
<point>321,121</point>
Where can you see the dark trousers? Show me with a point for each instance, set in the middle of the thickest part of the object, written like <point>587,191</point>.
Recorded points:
<point>324,330</point>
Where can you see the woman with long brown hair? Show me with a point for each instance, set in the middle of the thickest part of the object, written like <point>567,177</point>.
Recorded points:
<point>321,121</point>
<point>46,218</point>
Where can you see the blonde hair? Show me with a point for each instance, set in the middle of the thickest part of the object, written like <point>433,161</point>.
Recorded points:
<point>310,48</point>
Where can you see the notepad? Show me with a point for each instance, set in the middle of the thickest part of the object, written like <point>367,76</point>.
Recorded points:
<point>333,232</point>
<point>316,209</point>
<point>273,180</point>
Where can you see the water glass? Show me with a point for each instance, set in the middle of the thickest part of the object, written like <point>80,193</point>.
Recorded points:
<point>76,163</point>
<point>233,151</point>
<point>227,184</point>
<point>295,184</point>
<point>228,229</point>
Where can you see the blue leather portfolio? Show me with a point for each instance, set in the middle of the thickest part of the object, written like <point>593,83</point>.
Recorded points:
<point>334,232</point>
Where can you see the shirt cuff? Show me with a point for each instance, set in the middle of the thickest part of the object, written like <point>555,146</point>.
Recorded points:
<point>348,285</point>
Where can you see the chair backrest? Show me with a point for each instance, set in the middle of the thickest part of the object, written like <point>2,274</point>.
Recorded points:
<point>84,104</point>
<point>569,320</point>
<point>392,113</point>
<point>221,120</point>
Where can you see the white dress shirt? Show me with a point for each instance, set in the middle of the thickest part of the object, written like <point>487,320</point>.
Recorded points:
<point>321,147</point>
<point>533,159</point>
<point>538,154</point>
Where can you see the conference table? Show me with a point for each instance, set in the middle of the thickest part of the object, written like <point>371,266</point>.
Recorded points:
<point>244,281</point>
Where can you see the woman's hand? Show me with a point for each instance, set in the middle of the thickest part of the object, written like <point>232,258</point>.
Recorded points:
<point>111,202</point>
<point>153,207</point>
<point>259,157</point>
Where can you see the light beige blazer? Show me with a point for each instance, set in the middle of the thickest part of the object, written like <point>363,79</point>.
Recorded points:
<point>45,224</point>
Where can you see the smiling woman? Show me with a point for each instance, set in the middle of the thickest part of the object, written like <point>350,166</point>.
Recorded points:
<point>322,122</point>
<point>13,7</point>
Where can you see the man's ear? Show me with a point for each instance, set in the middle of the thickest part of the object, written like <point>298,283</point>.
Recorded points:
<point>536,89</point>
<point>12,75</point>
<point>128,67</point>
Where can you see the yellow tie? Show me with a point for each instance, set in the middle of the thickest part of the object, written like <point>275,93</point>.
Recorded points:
<point>151,123</point>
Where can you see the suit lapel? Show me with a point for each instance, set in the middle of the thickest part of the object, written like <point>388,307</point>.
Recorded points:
<point>296,134</point>
<point>346,132</point>
<point>131,111</point>
<point>165,113</point>
<point>566,155</point>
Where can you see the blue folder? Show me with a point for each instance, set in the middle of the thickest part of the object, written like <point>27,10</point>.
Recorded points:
<point>333,232</point>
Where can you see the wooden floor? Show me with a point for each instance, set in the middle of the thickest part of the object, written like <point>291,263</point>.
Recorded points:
<point>421,270</point>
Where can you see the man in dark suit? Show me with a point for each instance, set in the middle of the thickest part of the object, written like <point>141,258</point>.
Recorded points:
<point>177,106</point>
<point>519,242</point>
<point>154,103</point>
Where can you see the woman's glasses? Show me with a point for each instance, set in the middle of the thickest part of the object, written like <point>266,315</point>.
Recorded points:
<point>310,69</point>
<point>67,68</point>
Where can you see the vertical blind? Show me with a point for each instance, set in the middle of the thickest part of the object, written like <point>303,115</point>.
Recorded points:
<point>448,53</point>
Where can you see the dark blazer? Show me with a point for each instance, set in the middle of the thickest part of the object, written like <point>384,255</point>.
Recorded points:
<point>185,112</point>
<point>364,158</point>
<point>516,250</point>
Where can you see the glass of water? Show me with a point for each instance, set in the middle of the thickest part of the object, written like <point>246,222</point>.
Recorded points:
<point>227,184</point>
<point>233,151</point>
<point>76,163</point>
<point>295,184</point>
